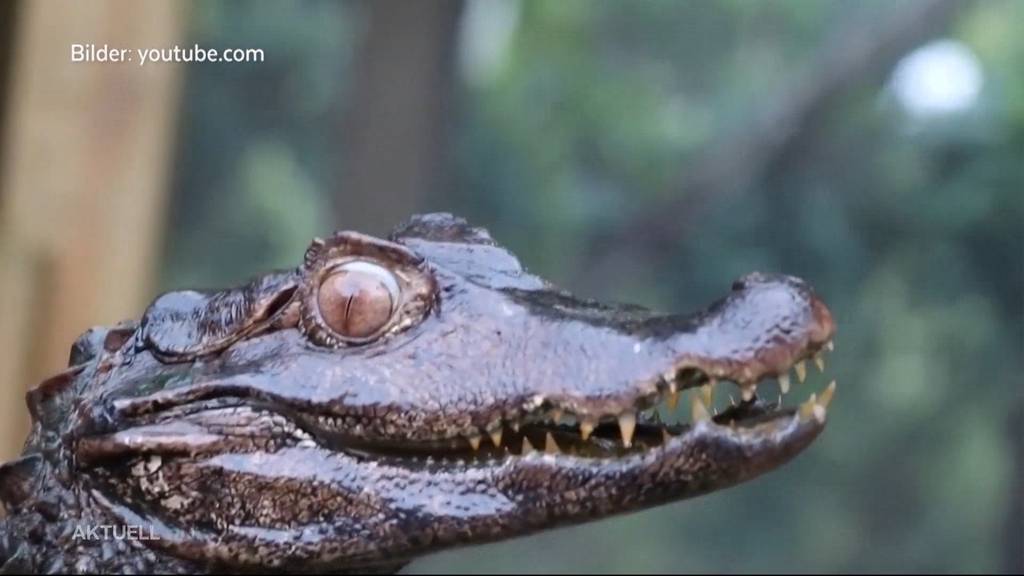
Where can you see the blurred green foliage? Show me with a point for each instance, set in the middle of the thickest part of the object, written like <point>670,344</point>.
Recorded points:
<point>910,226</point>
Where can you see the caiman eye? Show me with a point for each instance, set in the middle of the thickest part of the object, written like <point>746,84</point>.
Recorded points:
<point>357,299</point>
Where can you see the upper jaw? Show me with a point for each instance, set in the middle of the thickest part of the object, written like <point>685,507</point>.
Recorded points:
<point>767,327</point>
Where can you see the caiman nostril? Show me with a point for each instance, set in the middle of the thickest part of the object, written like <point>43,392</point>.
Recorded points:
<point>823,327</point>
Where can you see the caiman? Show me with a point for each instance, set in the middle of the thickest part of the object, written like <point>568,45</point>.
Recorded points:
<point>386,399</point>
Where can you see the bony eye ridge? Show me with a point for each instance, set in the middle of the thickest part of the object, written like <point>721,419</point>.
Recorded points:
<point>357,299</point>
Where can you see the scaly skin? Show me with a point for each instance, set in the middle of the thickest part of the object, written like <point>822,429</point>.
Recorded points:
<point>337,417</point>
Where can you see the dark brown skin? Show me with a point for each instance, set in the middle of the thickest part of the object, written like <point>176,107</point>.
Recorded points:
<point>388,399</point>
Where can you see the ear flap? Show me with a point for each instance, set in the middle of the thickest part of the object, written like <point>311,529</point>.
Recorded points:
<point>44,400</point>
<point>18,480</point>
<point>179,326</point>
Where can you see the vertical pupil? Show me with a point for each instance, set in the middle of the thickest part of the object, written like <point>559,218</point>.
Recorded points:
<point>355,303</point>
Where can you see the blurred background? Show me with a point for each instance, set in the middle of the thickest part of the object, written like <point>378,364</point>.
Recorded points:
<point>633,151</point>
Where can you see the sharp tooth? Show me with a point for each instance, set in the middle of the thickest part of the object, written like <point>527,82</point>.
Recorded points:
<point>627,424</point>
<point>784,383</point>
<point>672,400</point>
<point>801,370</point>
<point>819,361</point>
<point>811,409</point>
<point>698,411</point>
<point>527,447</point>
<point>830,346</point>
<point>673,386</point>
<point>819,413</point>
<point>515,427</point>
<point>665,436</point>
<point>826,396</point>
<point>549,444</point>
<point>587,426</point>
<point>707,392</point>
<point>496,437</point>
<point>474,441</point>
<point>807,408</point>
<point>656,418</point>
<point>748,392</point>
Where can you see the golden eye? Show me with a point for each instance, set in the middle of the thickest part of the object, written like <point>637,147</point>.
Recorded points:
<point>357,299</point>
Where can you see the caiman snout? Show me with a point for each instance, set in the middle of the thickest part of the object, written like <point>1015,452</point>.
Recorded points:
<point>820,327</point>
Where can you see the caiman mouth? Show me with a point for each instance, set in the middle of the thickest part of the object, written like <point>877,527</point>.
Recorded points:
<point>680,404</point>
<point>655,421</point>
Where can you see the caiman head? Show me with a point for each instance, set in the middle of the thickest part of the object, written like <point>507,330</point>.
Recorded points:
<point>389,398</point>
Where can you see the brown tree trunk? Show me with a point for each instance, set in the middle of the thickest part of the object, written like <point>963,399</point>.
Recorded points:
<point>8,18</point>
<point>85,158</point>
<point>395,131</point>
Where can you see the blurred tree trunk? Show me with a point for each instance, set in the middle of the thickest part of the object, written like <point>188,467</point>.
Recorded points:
<point>85,158</point>
<point>396,127</point>
<point>8,17</point>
